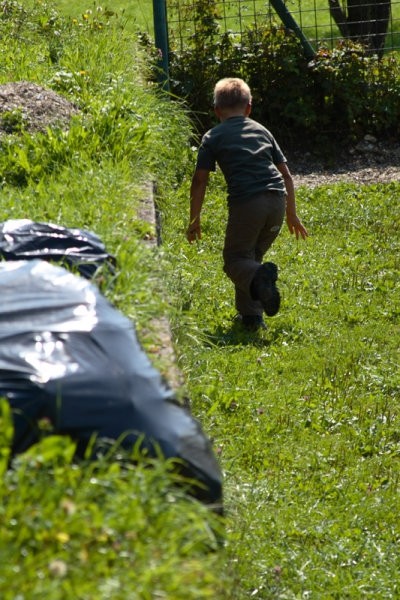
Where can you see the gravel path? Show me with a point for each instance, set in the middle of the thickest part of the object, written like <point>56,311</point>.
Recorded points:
<point>367,163</point>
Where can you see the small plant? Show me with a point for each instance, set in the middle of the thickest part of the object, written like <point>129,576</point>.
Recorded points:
<point>6,435</point>
<point>12,121</point>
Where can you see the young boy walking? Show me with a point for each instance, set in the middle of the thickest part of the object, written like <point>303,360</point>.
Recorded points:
<point>260,192</point>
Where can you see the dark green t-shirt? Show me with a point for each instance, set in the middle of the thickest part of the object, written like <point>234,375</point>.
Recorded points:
<point>246,153</point>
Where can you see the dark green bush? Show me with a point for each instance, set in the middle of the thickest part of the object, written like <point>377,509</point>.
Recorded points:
<point>358,93</point>
<point>341,95</point>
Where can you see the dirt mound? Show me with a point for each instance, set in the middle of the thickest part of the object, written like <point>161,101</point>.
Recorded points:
<point>28,106</point>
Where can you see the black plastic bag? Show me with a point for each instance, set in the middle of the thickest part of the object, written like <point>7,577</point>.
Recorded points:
<point>67,355</point>
<point>22,239</point>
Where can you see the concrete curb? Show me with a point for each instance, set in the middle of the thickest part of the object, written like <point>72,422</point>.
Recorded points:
<point>159,328</point>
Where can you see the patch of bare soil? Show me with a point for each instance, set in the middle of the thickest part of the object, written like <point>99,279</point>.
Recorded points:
<point>32,107</point>
<point>370,161</point>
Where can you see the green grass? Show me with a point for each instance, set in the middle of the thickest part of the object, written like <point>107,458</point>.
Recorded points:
<point>313,17</point>
<point>236,16</point>
<point>138,14</point>
<point>304,416</point>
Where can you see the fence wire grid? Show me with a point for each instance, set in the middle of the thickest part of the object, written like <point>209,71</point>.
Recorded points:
<point>314,18</point>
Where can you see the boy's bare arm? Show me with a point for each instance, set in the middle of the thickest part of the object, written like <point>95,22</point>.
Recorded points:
<point>197,194</point>
<point>293,221</point>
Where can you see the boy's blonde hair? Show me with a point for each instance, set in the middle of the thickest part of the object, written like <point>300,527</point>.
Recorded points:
<point>231,92</point>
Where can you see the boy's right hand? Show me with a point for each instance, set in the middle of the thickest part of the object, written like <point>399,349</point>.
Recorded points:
<point>193,232</point>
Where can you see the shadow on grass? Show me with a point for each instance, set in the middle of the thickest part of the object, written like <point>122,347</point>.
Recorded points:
<point>235,335</point>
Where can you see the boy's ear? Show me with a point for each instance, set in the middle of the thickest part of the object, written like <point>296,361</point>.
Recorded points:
<point>248,109</point>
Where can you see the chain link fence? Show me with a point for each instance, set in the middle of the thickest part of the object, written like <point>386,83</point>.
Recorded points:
<point>321,23</point>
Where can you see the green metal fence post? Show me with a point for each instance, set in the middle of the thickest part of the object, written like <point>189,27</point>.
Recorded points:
<point>161,40</point>
<point>288,20</point>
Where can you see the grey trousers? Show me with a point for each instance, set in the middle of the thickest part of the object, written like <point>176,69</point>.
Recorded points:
<point>251,229</point>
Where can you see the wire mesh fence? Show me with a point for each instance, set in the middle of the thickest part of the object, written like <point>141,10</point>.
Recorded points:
<point>321,22</point>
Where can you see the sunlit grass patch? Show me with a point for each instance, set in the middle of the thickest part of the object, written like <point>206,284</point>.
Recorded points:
<point>304,414</point>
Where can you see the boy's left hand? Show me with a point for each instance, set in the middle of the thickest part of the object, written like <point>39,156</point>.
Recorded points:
<point>296,226</point>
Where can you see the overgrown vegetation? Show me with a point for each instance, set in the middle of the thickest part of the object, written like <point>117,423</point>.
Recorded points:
<point>304,416</point>
<point>343,94</point>
<point>104,530</point>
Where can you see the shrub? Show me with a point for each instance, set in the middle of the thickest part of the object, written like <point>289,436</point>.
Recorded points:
<point>358,93</point>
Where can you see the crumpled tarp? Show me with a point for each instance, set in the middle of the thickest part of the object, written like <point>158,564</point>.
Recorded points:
<point>23,239</point>
<point>66,354</point>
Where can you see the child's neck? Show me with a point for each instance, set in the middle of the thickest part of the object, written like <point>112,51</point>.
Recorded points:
<point>232,114</point>
<point>228,113</point>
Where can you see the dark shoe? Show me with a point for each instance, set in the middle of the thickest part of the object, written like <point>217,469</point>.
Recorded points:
<point>253,322</point>
<point>263,288</point>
